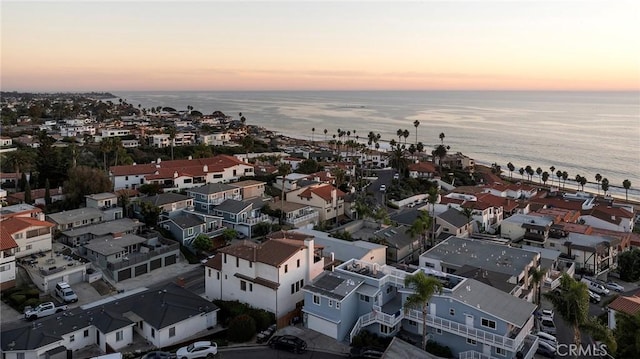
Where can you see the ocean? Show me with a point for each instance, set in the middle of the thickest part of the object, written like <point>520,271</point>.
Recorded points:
<point>579,132</point>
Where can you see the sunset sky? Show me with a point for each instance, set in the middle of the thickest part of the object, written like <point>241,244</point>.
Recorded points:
<point>265,45</point>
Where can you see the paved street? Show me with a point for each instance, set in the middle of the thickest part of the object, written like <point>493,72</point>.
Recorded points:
<point>266,353</point>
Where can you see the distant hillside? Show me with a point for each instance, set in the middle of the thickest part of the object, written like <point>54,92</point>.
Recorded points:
<point>27,95</point>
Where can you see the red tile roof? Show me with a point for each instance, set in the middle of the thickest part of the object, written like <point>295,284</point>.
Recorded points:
<point>323,191</point>
<point>422,167</point>
<point>13,225</point>
<point>6,240</point>
<point>629,305</point>
<point>273,252</point>
<point>215,164</point>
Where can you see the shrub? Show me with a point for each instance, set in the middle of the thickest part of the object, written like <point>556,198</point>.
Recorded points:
<point>242,328</point>
<point>17,300</point>
<point>263,318</point>
<point>371,340</point>
<point>439,350</point>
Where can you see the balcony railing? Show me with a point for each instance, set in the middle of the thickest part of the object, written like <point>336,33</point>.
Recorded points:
<point>472,354</point>
<point>303,218</point>
<point>256,220</point>
<point>464,331</point>
<point>375,316</point>
<point>136,258</point>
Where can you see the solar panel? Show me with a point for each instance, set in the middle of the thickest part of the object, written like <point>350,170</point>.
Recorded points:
<point>328,282</point>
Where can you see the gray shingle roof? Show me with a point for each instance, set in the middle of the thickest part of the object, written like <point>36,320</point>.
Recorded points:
<point>454,217</point>
<point>396,237</point>
<point>165,198</point>
<point>232,206</point>
<point>160,308</point>
<point>211,188</point>
<point>187,220</point>
<point>493,301</point>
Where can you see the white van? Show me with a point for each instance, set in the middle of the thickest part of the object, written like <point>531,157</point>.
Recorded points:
<point>547,325</point>
<point>64,291</point>
<point>595,286</point>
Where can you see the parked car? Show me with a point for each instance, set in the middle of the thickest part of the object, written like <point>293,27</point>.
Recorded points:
<point>288,342</point>
<point>547,325</point>
<point>264,335</point>
<point>593,297</point>
<point>365,353</point>
<point>615,286</point>
<point>396,176</point>
<point>42,310</point>
<point>203,349</point>
<point>63,291</point>
<point>383,188</point>
<point>546,313</point>
<point>595,286</point>
<point>158,355</point>
<point>204,261</point>
<point>546,349</point>
<point>548,338</point>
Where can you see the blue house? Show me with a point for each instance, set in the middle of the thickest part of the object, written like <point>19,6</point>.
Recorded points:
<point>473,319</point>
<point>241,215</point>
<point>186,226</point>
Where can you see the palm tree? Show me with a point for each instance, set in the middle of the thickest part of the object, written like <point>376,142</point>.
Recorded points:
<point>626,184</point>
<point>325,135</point>
<point>583,181</point>
<point>424,288</point>
<point>521,170</point>
<point>545,177</point>
<point>172,135</point>
<point>441,153</point>
<point>537,278</point>
<point>511,168</point>
<point>572,304</point>
<point>539,173</point>
<point>529,172</point>
<point>420,227</point>
<point>405,134</point>
<point>416,123</point>
<point>552,169</point>
<point>441,138</point>
<point>399,134</point>
<point>468,212</point>
<point>313,131</point>
<point>598,179</point>
<point>565,175</point>
<point>559,175</point>
<point>605,185</point>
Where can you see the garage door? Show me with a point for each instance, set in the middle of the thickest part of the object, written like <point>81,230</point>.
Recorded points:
<point>322,326</point>
<point>77,277</point>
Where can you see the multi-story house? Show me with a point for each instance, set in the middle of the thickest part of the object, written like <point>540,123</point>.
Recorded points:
<point>214,139</point>
<point>401,247</point>
<point>507,268</point>
<point>453,222</point>
<point>612,218</point>
<point>250,188</point>
<point>185,226</point>
<point>164,316</point>
<point>296,214</point>
<point>325,198</point>
<point>32,236</point>
<point>131,255</point>
<point>180,139</point>
<point>532,230</point>
<point>169,203</point>
<point>473,319</point>
<point>208,196</point>
<point>268,276</point>
<point>107,202</point>
<point>8,248</point>
<point>180,174</point>
<point>77,236</point>
<point>594,254</point>
<point>22,210</point>
<point>421,170</point>
<point>241,215</point>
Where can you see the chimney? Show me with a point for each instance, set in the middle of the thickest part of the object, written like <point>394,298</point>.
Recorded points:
<point>159,160</point>
<point>205,168</point>
<point>190,158</point>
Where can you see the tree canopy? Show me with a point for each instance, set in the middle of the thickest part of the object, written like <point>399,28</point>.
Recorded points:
<point>83,181</point>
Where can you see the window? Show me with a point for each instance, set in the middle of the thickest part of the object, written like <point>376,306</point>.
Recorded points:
<point>19,355</point>
<point>293,288</point>
<point>389,289</point>
<point>225,258</point>
<point>337,305</point>
<point>243,285</point>
<point>386,329</point>
<point>250,264</point>
<point>209,271</point>
<point>153,333</point>
<point>86,333</point>
<point>330,303</point>
<point>190,231</point>
<point>501,351</point>
<point>286,268</point>
<point>298,263</point>
<point>72,338</point>
<point>29,246</point>
<point>471,341</point>
<point>364,298</point>
<point>250,287</point>
<point>452,311</point>
<point>172,332</point>
<point>316,299</point>
<point>438,331</point>
<point>237,262</point>
<point>413,324</point>
<point>488,323</point>
<point>119,335</point>
<point>218,275</point>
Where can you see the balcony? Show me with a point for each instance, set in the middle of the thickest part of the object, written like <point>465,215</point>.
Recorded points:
<point>472,354</point>
<point>469,332</point>
<point>256,220</point>
<point>311,216</point>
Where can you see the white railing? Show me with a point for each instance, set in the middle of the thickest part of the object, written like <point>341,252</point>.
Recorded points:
<point>303,218</point>
<point>463,330</point>
<point>375,316</point>
<point>533,348</point>
<point>472,354</point>
<point>256,220</point>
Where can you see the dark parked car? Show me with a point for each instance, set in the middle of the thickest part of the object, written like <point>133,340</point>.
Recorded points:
<point>366,353</point>
<point>288,342</point>
<point>264,335</point>
<point>159,355</point>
